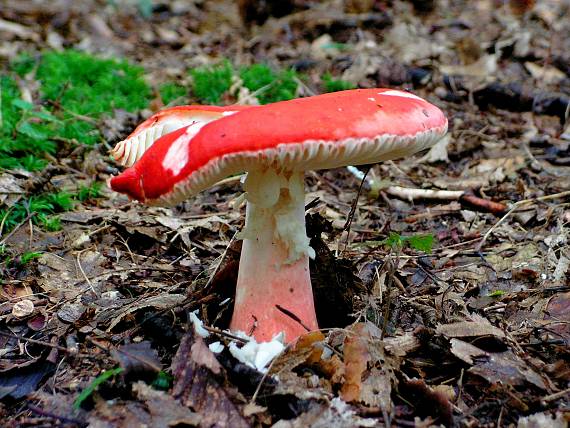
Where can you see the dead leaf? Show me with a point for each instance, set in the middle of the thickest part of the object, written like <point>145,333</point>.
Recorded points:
<point>71,312</point>
<point>137,357</point>
<point>557,312</point>
<point>162,301</point>
<point>368,373</point>
<point>478,327</point>
<point>508,369</point>
<point>546,74</point>
<point>336,413</point>
<point>198,387</point>
<point>427,401</point>
<point>465,351</point>
<point>164,409</point>
<point>23,308</point>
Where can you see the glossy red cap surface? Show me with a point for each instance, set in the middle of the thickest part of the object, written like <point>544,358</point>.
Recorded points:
<point>341,128</point>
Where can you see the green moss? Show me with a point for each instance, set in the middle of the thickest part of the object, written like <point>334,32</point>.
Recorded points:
<point>78,89</point>
<point>211,83</point>
<point>334,85</point>
<point>268,85</point>
<point>23,64</point>
<point>24,130</point>
<point>173,94</point>
<point>90,86</point>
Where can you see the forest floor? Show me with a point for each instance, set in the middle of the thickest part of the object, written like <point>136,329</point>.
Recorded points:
<point>450,310</point>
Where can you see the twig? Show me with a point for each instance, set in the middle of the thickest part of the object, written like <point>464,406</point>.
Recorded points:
<point>51,415</point>
<point>225,334</point>
<point>47,344</point>
<point>556,395</point>
<point>348,223</point>
<point>83,272</point>
<point>515,207</point>
<point>483,204</point>
<point>411,194</point>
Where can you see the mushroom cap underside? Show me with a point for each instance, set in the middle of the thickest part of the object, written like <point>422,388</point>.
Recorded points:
<point>342,128</point>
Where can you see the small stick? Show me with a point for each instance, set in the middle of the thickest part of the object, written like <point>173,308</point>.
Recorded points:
<point>225,334</point>
<point>411,194</point>
<point>348,223</point>
<point>46,344</point>
<point>515,207</point>
<point>484,204</point>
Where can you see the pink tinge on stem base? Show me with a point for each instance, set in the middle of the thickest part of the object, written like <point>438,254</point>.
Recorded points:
<point>273,270</point>
<point>262,286</point>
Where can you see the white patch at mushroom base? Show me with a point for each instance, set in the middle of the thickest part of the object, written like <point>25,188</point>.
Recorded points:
<point>257,355</point>
<point>177,156</point>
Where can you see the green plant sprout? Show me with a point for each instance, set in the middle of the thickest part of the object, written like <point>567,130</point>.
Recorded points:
<point>86,193</point>
<point>43,208</point>
<point>29,256</point>
<point>99,380</point>
<point>423,243</point>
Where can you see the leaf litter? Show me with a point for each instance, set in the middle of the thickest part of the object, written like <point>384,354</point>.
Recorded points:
<point>468,329</point>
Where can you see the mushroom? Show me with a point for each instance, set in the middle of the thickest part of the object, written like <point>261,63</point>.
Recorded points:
<point>275,144</point>
<point>128,151</point>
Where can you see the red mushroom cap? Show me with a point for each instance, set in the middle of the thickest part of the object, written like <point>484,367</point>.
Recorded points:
<point>342,128</point>
<point>131,149</point>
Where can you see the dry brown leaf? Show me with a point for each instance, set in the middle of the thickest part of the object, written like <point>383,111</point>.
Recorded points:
<point>465,351</point>
<point>558,314</point>
<point>508,369</point>
<point>368,373</point>
<point>476,328</point>
<point>137,357</point>
<point>199,388</point>
<point>356,357</point>
<point>162,301</point>
<point>23,308</point>
<point>164,409</point>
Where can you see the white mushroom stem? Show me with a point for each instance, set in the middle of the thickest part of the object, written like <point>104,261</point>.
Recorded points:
<point>274,265</point>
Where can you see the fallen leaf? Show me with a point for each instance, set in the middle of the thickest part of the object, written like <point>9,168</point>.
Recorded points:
<point>427,401</point>
<point>557,312</point>
<point>506,368</point>
<point>198,387</point>
<point>71,312</point>
<point>479,327</point>
<point>335,413</point>
<point>137,357</point>
<point>368,373</point>
<point>23,308</point>
<point>162,301</point>
<point>164,409</point>
<point>465,351</point>
<point>18,382</point>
